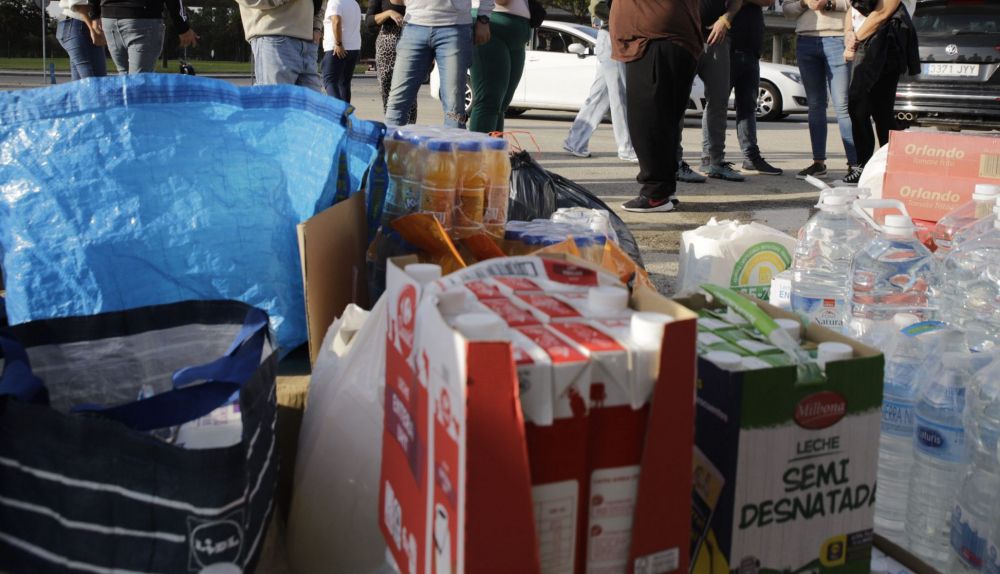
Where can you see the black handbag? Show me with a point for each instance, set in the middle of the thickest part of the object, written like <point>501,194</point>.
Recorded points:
<point>538,13</point>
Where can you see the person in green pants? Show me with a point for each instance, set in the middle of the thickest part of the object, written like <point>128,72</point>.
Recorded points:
<point>497,65</point>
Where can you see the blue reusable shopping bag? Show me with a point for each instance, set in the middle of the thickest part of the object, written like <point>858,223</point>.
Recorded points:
<point>129,191</point>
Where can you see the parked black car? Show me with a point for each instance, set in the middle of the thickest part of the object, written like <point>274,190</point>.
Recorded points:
<point>959,83</point>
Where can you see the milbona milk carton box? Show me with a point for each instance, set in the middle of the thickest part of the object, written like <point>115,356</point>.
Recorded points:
<point>784,470</point>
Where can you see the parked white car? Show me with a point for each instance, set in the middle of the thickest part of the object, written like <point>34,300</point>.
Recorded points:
<point>560,67</point>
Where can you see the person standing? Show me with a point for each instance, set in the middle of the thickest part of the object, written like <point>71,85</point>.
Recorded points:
<point>442,32</point>
<point>497,65</point>
<point>284,36</point>
<point>341,46</point>
<point>83,41</point>
<point>713,69</point>
<point>134,30</point>
<point>607,92</point>
<point>660,43</point>
<point>747,39</point>
<point>883,47</point>
<point>819,50</point>
<point>385,18</point>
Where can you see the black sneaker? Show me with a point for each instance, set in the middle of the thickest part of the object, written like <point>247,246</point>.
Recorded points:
<point>688,175</point>
<point>814,170</point>
<point>758,165</point>
<point>852,177</point>
<point>724,171</point>
<point>643,204</point>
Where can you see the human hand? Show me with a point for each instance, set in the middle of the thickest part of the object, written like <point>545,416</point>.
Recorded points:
<point>482,33</point>
<point>340,52</point>
<point>97,33</point>
<point>718,33</point>
<point>849,55</point>
<point>395,17</point>
<point>188,39</point>
<point>317,36</point>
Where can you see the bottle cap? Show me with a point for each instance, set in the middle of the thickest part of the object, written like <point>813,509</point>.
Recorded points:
<point>832,351</point>
<point>608,300</point>
<point>475,145</point>
<point>792,327</point>
<point>724,360</point>
<point>452,301</point>
<point>440,144</point>
<point>424,273</point>
<point>985,191</point>
<point>496,144</point>
<point>480,326</point>
<point>647,328</point>
<point>836,199</point>
<point>896,224</point>
<point>904,320</point>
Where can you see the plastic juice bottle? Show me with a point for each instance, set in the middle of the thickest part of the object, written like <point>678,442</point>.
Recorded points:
<point>498,180</point>
<point>396,147</point>
<point>439,180</point>
<point>471,199</point>
<point>411,158</point>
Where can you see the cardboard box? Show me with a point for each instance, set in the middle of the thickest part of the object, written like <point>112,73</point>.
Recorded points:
<point>933,173</point>
<point>332,248</point>
<point>785,471</point>
<point>467,486</point>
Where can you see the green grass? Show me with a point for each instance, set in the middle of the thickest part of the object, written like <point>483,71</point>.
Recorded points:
<point>200,66</point>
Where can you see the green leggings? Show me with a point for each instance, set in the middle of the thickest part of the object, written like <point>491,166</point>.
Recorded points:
<point>496,71</point>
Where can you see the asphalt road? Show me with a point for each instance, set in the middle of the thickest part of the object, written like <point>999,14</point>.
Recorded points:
<point>780,201</point>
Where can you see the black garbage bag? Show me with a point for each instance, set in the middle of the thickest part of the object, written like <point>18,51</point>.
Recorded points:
<point>536,193</point>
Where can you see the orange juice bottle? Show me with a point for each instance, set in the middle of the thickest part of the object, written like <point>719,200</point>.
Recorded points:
<point>497,160</point>
<point>396,147</point>
<point>471,198</point>
<point>439,180</point>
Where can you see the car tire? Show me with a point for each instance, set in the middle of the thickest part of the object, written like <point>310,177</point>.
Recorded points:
<point>768,102</point>
<point>468,95</point>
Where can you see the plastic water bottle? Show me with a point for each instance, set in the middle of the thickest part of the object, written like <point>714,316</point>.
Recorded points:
<point>991,562</point>
<point>983,198</point>
<point>892,274</point>
<point>939,458</point>
<point>905,352</point>
<point>969,288</point>
<point>981,226</point>
<point>823,254</point>
<point>972,515</point>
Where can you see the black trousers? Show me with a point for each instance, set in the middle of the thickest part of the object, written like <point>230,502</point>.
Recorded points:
<point>876,103</point>
<point>658,86</point>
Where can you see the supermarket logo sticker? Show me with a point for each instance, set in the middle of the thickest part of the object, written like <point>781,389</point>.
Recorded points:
<point>406,313</point>
<point>215,541</point>
<point>820,410</point>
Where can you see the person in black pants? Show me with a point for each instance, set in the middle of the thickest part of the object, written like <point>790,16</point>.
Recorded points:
<point>659,43</point>
<point>386,18</point>
<point>882,48</point>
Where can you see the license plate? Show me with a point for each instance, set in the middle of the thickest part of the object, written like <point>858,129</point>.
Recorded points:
<point>954,70</point>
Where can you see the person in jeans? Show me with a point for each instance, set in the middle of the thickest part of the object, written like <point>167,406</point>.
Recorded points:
<point>607,92</point>
<point>442,32</point>
<point>747,39</point>
<point>882,43</point>
<point>341,46</point>
<point>819,49</point>
<point>134,30</point>
<point>497,65</point>
<point>713,69</point>
<point>660,43</point>
<point>284,36</point>
<point>385,18</point>
<point>82,40</point>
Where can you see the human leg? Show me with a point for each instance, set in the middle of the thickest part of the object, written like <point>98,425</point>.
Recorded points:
<point>142,39</point>
<point>813,69</point>
<point>385,58</point>
<point>275,60</point>
<point>839,77</point>
<point>414,56</point>
<point>116,44</point>
<point>452,48</point>
<point>589,117</point>
<point>883,103</point>
<point>306,75</point>
<point>516,40</point>
<point>490,74</point>
<point>614,79</point>
<point>86,59</point>
<point>861,126</point>
<point>347,74</point>
<point>714,71</point>
<point>745,78</point>
<point>329,68</point>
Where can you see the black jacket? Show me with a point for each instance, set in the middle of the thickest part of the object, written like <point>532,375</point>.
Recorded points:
<point>892,49</point>
<point>141,9</point>
<point>376,7</point>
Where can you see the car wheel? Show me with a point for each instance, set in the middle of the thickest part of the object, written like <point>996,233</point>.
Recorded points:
<point>468,96</point>
<point>514,112</point>
<point>768,102</point>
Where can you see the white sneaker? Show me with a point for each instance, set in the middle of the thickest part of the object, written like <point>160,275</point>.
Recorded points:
<point>572,151</point>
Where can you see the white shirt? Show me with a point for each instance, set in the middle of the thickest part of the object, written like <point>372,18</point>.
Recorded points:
<point>350,24</point>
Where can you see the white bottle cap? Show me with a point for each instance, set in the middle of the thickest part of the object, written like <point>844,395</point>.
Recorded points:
<point>832,351</point>
<point>452,301</point>
<point>904,320</point>
<point>792,327</point>
<point>647,328</point>
<point>480,326</point>
<point>837,199</point>
<point>424,273</point>
<point>898,225</point>
<point>607,300</point>
<point>986,191</point>
<point>724,360</point>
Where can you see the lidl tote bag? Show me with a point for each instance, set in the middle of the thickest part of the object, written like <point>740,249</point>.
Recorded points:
<point>93,411</point>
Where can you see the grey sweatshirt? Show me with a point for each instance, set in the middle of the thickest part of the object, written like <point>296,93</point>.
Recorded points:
<point>444,12</point>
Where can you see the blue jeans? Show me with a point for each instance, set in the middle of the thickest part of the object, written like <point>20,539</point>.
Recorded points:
<point>85,59</point>
<point>418,47</point>
<point>285,60</point>
<point>607,91</point>
<point>134,43</point>
<point>338,73</point>
<point>822,65</point>
<point>745,76</point>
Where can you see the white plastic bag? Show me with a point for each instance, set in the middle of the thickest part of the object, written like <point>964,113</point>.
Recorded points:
<point>743,256</point>
<point>333,523</point>
<point>874,174</point>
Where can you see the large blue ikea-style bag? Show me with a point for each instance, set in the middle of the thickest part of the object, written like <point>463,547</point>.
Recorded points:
<point>124,192</point>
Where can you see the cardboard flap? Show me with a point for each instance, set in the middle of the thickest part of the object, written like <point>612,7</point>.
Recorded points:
<point>332,248</point>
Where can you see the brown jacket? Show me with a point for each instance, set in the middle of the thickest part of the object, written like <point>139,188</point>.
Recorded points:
<point>635,22</point>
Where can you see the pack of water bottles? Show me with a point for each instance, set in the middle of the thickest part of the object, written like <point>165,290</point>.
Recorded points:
<point>936,317</point>
<point>589,230</point>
